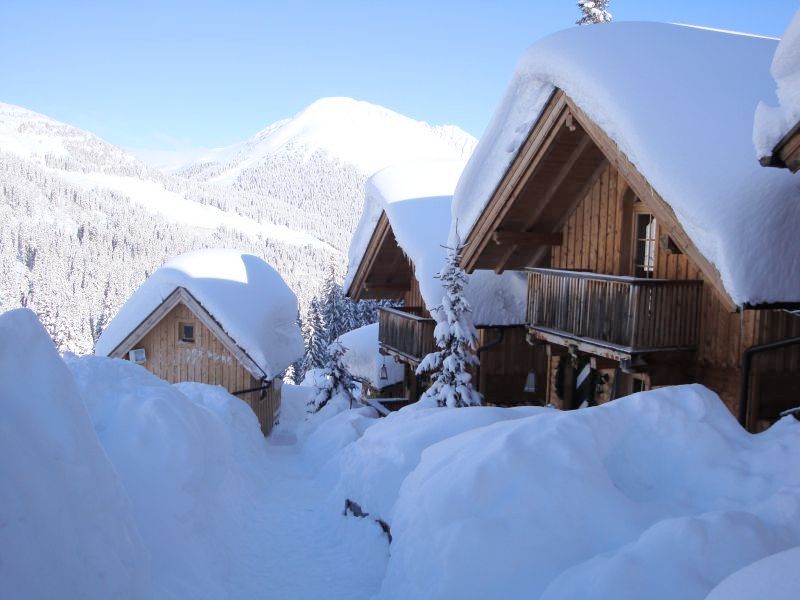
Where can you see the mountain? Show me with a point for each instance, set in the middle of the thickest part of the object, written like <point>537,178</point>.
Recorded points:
<point>83,223</point>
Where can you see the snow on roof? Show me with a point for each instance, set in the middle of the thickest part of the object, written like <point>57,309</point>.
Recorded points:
<point>679,103</point>
<point>364,360</point>
<point>772,123</point>
<point>416,197</point>
<point>245,295</point>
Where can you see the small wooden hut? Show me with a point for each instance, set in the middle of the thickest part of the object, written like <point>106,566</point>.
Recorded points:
<point>214,316</point>
<point>398,249</point>
<point>634,281</point>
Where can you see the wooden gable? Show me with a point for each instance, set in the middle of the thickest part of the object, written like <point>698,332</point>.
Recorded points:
<point>561,161</point>
<point>182,298</point>
<point>385,273</point>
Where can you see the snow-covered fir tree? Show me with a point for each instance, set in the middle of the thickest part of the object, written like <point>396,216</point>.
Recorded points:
<point>456,338</point>
<point>594,11</point>
<point>335,383</point>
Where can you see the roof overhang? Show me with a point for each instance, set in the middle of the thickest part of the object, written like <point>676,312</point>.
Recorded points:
<point>786,153</point>
<point>561,159</point>
<point>384,272</point>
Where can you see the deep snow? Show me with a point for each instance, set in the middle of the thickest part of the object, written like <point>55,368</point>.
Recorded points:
<point>364,360</point>
<point>679,103</point>
<point>127,486</point>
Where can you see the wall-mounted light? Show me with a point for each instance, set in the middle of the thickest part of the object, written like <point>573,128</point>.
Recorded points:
<point>384,374</point>
<point>530,382</point>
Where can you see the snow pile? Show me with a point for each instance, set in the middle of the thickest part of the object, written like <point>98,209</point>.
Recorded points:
<point>774,122</point>
<point>775,577</point>
<point>191,459</point>
<point>66,525</point>
<point>657,495</point>
<point>244,294</point>
<point>416,198</point>
<point>372,469</point>
<point>684,118</point>
<point>364,360</point>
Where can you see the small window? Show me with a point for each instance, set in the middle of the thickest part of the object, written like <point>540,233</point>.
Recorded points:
<point>186,332</point>
<point>644,260</point>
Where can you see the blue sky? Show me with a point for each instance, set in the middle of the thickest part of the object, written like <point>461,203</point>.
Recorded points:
<point>176,75</point>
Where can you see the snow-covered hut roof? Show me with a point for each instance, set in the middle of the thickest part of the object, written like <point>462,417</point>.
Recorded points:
<point>364,360</point>
<point>245,295</point>
<point>678,101</point>
<point>773,122</point>
<point>416,198</point>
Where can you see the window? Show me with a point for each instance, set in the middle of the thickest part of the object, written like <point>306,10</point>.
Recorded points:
<point>186,332</point>
<point>644,258</point>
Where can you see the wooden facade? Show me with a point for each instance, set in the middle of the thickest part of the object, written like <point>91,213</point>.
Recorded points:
<point>615,282</point>
<point>208,355</point>
<point>406,333</point>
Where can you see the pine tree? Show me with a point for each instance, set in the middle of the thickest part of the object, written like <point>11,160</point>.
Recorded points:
<point>594,11</point>
<point>339,385</point>
<point>456,339</point>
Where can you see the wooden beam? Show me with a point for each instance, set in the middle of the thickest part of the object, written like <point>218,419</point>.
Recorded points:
<point>523,165</point>
<point>527,238</point>
<point>399,286</point>
<point>552,190</point>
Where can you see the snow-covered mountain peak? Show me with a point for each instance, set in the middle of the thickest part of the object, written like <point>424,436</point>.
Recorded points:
<point>364,135</point>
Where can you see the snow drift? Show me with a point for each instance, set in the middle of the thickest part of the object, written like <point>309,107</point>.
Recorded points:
<point>243,293</point>
<point>67,528</point>
<point>364,360</point>
<point>658,495</point>
<point>679,102</point>
<point>190,457</point>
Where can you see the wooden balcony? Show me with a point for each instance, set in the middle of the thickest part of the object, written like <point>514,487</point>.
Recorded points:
<point>622,315</point>
<point>405,334</point>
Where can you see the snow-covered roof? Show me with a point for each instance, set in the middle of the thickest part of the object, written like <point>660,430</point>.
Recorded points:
<point>774,122</point>
<point>416,197</point>
<point>364,360</point>
<point>679,102</point>
<point>245,295</point>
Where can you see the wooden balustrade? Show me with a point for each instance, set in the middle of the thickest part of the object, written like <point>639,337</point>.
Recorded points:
<point>407,334</point>
<point>624,313</point>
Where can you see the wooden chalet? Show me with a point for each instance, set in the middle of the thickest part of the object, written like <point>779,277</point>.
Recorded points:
<point>388,269</point>
<point>182,339</point>
<point>619,295</point>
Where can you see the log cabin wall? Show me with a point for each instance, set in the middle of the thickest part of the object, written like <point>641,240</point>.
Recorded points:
<point>598,237</point>
<point>413,297</point>
<point>206,360</point>
<point>505,366</point>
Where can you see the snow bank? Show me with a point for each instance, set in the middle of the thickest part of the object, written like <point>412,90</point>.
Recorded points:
<point>364,360</point>
<point>191,459</point>
<point>772,123</point>
<point>416,198</point>
<point>66,525</point>
<point>376,464</point>
<point>684,117</point>
<point>658,495</point>
<point>243,293</point>
<point>775,577</point>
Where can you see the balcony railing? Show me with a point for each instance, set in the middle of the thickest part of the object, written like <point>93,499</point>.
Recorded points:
<point>623,313</point>
<point>404,333</point>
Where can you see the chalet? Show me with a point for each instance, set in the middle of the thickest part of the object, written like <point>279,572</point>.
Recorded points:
<point>380,376</point>
<point>219,317</point>
<point>396,253</point>
<point>657,250</point>
<point>777,128</point>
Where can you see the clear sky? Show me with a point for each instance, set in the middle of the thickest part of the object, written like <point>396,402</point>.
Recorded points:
<point>174,75</point>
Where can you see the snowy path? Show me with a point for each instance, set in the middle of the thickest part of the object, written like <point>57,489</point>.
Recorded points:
<point>298,546</point>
